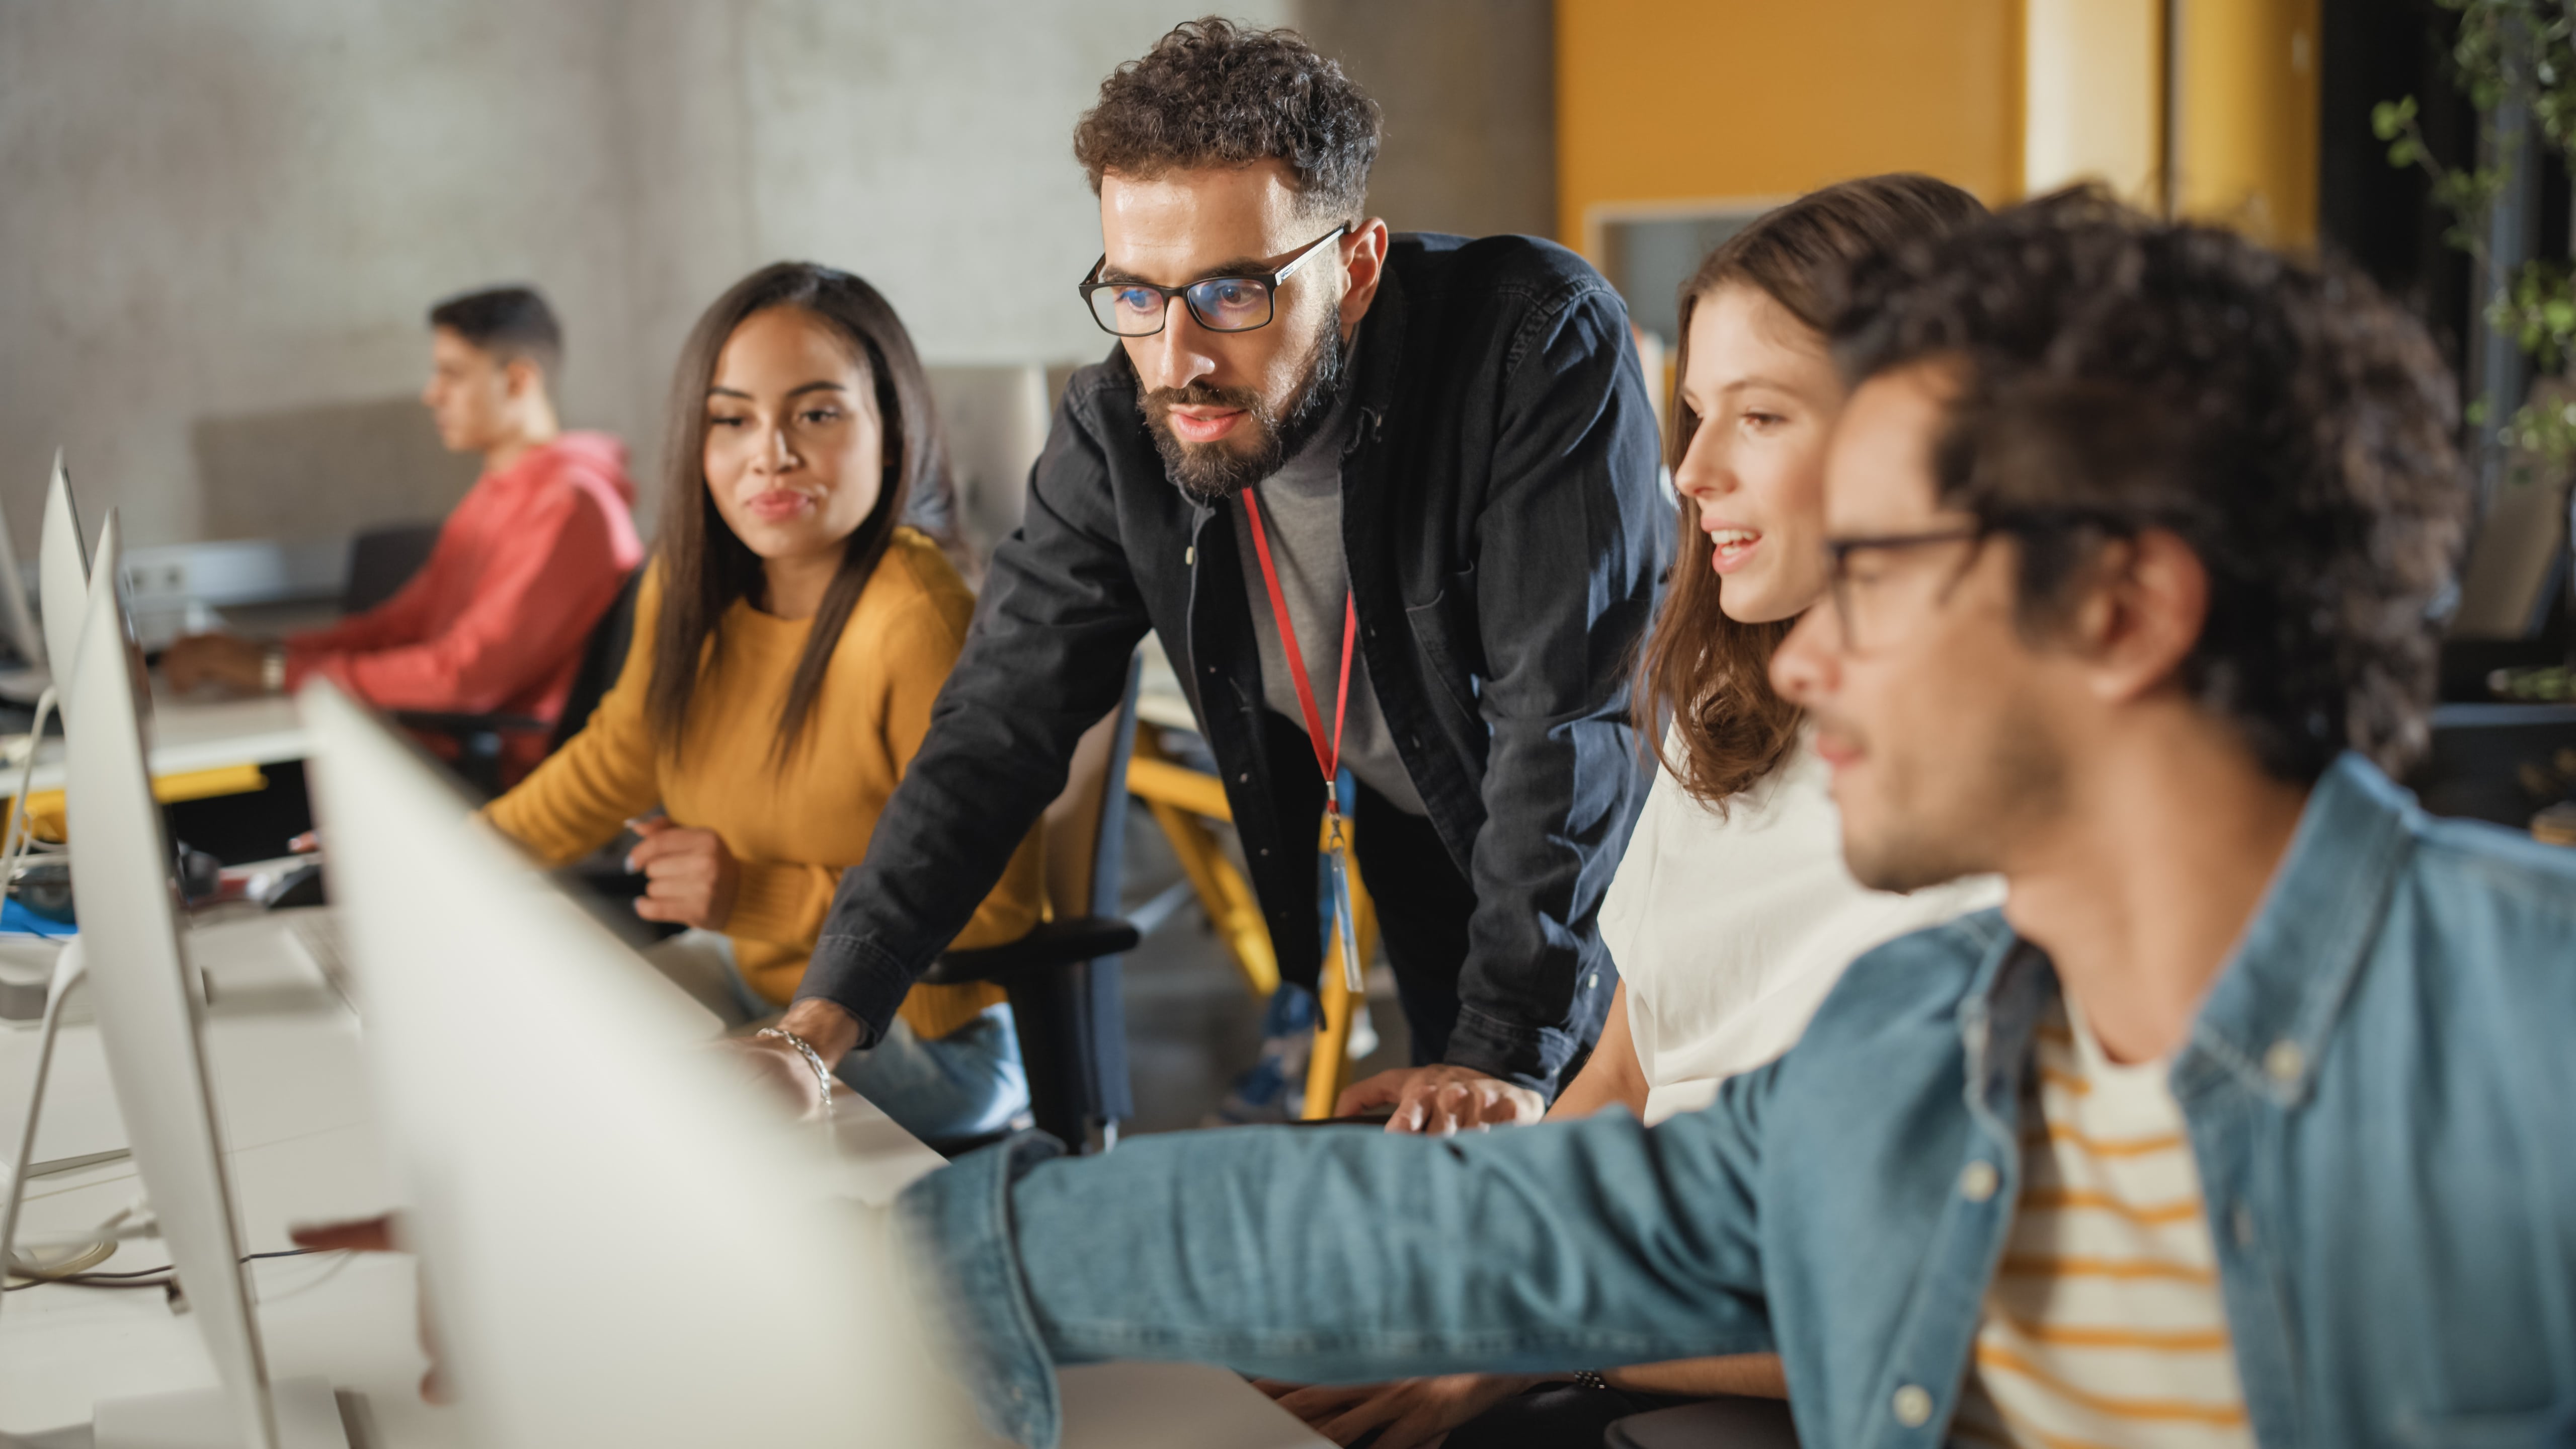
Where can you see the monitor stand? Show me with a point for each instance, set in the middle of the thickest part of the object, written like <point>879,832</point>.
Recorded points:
<point>70,966</point>
<point>308,1417</point>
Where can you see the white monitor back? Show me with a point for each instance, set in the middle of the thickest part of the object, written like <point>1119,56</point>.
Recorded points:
<point>623,1243</point>
<point>148,1017</point>
<point>62,571</point>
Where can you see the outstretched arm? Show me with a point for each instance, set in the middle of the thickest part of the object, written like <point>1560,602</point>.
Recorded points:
<point>1047,657</point>
<point>1345,1255</point>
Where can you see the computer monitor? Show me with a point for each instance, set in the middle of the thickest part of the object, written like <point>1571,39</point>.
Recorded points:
<point>149,1016</point>
<point>62,568</point>
<point>622,1242</point>
<point>18,619</point>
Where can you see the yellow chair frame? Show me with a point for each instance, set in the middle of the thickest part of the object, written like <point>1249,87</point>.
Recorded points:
<point>1183,800</point>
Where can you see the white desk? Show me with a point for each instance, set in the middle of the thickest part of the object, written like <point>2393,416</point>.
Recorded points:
<point>200,734</point>
<point>290,1087</point>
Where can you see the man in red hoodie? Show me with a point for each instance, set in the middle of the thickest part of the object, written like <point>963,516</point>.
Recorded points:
<point>523,569</point>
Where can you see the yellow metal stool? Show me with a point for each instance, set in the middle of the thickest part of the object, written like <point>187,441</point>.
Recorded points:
<point>1182,801</point>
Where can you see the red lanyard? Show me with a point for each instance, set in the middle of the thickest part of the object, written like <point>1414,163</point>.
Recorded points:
<point>1327,756</point>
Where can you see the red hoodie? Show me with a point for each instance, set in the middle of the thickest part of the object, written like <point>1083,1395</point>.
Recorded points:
<point>495,621</point>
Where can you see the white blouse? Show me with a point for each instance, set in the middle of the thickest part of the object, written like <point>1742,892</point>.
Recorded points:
<point>1730,930</point>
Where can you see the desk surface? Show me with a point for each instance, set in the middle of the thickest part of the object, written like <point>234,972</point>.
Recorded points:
<point>289,1085</point>
<point>190,734</point>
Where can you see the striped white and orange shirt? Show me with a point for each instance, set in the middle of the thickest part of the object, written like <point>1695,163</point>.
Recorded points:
<point>2104,1325</point>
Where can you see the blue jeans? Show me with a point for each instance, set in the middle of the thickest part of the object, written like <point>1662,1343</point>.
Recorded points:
<point>966,1084</point>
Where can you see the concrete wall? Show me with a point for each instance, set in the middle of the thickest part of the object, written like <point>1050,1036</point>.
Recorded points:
<point>219,215</point>
<point>223,223</point>
<point>1469,92</point>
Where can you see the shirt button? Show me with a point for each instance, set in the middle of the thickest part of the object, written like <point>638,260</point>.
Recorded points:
<point>1244,779</point>
<point>2284,1062</point>
<point>1977,1181</point>
<point>1913,1406</point>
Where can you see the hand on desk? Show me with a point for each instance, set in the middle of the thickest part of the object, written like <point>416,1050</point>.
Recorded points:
<point>1414,1413</point>
<point>376,1235</point>
<point>234,665</point>
<point>689,875</point>
<point>1439,1100</point>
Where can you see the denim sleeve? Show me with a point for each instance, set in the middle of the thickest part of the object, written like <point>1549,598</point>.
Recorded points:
<point>1348,1254</point>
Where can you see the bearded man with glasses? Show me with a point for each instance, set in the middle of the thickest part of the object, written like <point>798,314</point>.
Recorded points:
<point>1391,504</point>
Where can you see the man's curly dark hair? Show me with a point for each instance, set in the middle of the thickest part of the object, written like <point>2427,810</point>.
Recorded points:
<point>1214,93</point>
<point>2292,426</point>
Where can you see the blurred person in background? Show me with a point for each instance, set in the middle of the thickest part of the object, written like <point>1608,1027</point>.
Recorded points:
<point>524,566</point>
<point>1732,914</point>
<point>1391,505</point>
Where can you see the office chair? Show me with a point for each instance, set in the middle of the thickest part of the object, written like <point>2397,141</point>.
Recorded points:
<point>1062,977</point>
<point>382,560</point>
<point>479,737</point>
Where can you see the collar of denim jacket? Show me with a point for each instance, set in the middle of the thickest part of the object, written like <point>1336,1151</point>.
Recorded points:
<point>2267,1019</point>
<point>2013,985</point>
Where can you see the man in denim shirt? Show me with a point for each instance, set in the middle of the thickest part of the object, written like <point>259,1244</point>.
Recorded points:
<point>2136,529</point>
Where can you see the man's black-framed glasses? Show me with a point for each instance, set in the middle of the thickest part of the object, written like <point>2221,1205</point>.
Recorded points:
<point>1220,304</point>
<point>1864,613</point>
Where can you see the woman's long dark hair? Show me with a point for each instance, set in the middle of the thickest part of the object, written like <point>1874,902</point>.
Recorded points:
<point>1709,674</point>
<point>707,568</point>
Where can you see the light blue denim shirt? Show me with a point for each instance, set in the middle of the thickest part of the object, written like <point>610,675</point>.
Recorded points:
<point>2381,1093</point>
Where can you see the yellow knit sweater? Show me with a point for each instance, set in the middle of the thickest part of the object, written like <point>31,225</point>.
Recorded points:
<point>792,831</point>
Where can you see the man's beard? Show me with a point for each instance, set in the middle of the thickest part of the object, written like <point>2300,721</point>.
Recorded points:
<point>1213,472</point>
<point>1929,834</point>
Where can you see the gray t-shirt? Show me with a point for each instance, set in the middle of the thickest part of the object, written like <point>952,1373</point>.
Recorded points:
<point>1302,506</point>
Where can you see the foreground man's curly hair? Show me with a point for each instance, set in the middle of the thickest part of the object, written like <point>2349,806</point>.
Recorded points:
<point>2286,421</point>
<point>1214,93</point>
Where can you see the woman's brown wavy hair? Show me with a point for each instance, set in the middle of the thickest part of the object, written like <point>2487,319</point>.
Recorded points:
<point>706,567</point>
<point>1707,674</point>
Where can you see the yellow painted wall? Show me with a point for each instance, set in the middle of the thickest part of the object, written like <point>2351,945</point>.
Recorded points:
<point>1683,100</point>
<point>2245,90</point>
<point>2209,106</point>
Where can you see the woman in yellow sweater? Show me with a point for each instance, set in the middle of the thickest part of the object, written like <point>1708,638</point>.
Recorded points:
<point>791,635</point>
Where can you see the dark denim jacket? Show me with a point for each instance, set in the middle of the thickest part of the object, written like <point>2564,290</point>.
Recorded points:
<point>2380,1091</point>
<point>1504,526</point>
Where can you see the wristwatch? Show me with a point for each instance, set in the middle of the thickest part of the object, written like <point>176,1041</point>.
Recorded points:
<point>272,669</point>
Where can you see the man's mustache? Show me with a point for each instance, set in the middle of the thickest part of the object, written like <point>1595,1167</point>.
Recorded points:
<point>1160,402</point>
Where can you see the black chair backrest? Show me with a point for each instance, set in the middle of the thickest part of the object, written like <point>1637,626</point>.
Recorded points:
<point>382,560</point>
<point>603,655</point>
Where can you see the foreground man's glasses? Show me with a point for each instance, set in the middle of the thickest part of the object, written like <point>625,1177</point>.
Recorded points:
<point>1863,609</point>
<point>1221,304</point>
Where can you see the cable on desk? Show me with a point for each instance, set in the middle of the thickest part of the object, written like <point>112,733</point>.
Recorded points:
<point>145,1277</point>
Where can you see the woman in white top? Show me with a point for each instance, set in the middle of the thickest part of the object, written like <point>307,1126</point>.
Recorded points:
<point>1732,914</point>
